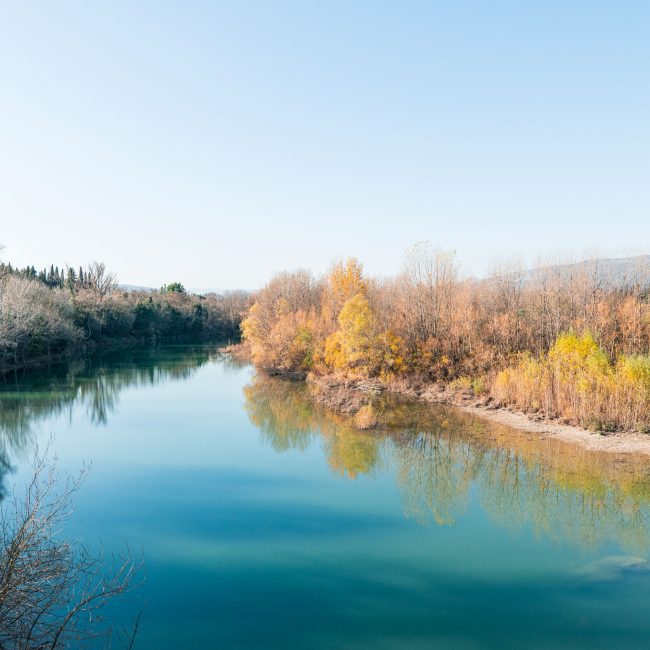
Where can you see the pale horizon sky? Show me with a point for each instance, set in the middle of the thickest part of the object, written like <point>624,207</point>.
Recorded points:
<point>218,143</point>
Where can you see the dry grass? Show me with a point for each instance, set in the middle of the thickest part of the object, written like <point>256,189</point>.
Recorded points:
<point>578,382</point>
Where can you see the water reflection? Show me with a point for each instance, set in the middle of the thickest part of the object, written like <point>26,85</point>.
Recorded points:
<point>92,386</point>
<point>442,456</point>
<point>289,419</point>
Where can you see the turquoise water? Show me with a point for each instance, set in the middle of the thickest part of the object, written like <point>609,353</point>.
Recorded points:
<point>267,522</point>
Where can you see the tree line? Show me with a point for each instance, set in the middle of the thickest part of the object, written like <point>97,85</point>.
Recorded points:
<point>567,340</point>
<point>51,314</point>
<point>66,277</point>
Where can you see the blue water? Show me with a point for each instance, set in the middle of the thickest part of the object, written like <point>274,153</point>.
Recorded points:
<point>265,521</point>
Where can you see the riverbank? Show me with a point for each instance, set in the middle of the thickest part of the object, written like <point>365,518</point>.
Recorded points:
<point>350,396</point>
<point>45,321</point>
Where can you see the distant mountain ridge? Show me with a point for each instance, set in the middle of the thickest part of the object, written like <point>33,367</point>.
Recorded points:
<point>615,273</point>
<point>198,292</point>
<point>609,273</point>
<point>134,287</point>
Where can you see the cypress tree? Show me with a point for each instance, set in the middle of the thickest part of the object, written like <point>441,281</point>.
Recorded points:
<point>72,278</point>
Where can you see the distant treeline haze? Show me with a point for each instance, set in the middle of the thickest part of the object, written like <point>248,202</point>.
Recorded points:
<point>567,340</point>
<point>53,313</point>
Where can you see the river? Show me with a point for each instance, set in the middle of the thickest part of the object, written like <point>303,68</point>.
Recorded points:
<point>266,522</point>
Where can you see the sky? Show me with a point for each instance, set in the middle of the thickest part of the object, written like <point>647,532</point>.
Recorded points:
<point>217,143</point>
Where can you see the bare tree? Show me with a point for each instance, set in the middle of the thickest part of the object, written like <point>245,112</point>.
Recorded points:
<point>100,284</point>
<point>100,281</point>
<point>431,276</point>
<point>234,305</point>
<point>34,321</point>
<point>52,592</point>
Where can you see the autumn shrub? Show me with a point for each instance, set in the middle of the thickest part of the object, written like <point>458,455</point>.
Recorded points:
<point>577,381</point>
<point>394,355</point>
<point>290,343</point>
<point>633,390</point>
<point>461,383</point>
<point>479,386</point>
<point>280,325</point>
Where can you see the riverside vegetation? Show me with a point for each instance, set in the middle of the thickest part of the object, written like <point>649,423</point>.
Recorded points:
<point>565,341</point>
<point>53,314</point>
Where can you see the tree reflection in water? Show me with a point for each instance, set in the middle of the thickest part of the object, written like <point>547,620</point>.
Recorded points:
<point>289,419</point>
<point>95,385</point>
<point>440,456</point>
<point>438,453</point>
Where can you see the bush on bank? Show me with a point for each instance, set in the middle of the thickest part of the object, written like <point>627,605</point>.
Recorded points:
<point>567,345</point>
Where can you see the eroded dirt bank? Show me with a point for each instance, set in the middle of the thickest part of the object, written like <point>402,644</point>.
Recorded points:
<point>350,396</point>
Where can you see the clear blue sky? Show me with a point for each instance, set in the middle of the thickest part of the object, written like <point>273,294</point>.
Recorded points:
<point>217,143</point>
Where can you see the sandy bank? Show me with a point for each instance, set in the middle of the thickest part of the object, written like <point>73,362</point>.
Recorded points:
<point>347,396</point>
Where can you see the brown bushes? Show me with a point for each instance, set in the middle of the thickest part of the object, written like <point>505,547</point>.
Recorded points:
<point>430,325</point>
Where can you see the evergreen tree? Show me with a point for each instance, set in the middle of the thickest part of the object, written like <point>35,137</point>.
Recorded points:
<point>71,279</point>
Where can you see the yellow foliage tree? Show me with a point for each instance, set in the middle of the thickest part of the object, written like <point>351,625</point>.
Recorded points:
<point>344,281</point>
<point>353,347</point>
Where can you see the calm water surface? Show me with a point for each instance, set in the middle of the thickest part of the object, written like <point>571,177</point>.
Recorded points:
<point>266,522</point>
